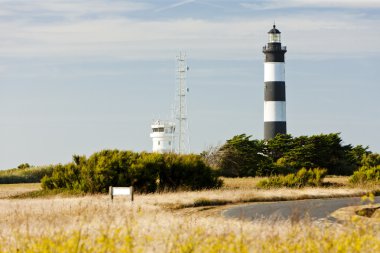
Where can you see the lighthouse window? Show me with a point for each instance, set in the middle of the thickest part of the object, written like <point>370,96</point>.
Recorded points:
<point>274,37</point>
<point>159,143</point>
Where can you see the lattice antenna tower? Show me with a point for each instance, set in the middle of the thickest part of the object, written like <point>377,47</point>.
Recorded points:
<point>181,107</point>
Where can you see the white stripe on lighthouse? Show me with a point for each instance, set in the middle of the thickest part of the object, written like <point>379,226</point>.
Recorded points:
<point>274,111</point>
<point>274,71</point>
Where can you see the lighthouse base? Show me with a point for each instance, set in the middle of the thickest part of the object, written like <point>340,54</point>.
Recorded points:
<point>272,128</point>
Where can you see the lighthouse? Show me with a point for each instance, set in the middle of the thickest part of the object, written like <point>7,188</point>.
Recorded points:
<point>274,86</point>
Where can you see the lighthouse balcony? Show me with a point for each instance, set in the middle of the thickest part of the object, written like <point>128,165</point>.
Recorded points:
<point>274,47</point>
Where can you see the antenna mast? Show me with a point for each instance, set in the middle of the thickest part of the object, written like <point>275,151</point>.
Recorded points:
<point>181,108</point>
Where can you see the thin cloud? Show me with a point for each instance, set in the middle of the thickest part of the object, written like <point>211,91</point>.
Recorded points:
<point>93,6</point>
<point>211,4</point>
<point>175,5</point>
<point>24,10</point>
<point>281,4</point>
<point>185,2</point>
<point>136,39</point>
<point>117,36</point>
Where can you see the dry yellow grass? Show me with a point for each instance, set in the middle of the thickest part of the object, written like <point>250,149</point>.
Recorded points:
<point>95,224</point>
<point>8,190</point>
<point>251,182</point>
<point>240,182</point>
<point>338,180</point>
<point>42,217</point>
<point>234,191</point>
<point>187,199</point>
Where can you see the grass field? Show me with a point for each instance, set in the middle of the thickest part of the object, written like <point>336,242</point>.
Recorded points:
<point>8,190</point>
<point>160,223</point>
<point>250,182</point>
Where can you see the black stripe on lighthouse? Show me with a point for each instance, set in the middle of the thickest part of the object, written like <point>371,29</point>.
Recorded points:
<point>274,53</point>
<point>271,129</point>
<point>274,91</point>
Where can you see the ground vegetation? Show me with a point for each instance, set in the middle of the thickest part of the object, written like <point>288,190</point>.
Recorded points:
<point>146,172</point>
<point>242,156</point>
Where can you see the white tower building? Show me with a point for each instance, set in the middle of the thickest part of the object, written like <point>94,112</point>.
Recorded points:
<point>163,136</point>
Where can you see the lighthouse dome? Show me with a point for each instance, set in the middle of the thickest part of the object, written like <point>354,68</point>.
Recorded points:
<point>274,30</point>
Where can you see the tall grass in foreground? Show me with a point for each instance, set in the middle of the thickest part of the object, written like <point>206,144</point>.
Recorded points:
<point>94,224</point>
<point>187,238</point>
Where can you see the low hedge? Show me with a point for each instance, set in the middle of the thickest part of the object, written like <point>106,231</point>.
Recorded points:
<point>366,175</point>
<point>304,177</point>
<point>146,172</point>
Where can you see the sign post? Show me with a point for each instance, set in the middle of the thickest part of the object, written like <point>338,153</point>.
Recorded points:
<point>121,191</point>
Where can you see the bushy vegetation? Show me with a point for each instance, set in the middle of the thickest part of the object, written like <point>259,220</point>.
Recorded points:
<point>241,156</point>
<point>370,160</point>
<point>369,172</point>
<point>25,173</point>
<point>304,177</point>
<point>366,175</point>
<point>147,172</point>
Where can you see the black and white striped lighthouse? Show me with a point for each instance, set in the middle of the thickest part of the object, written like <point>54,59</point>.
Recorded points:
<point>274,91</point>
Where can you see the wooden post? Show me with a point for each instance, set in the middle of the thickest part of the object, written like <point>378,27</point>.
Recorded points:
<point>131,193</point>
<point>111,193</point>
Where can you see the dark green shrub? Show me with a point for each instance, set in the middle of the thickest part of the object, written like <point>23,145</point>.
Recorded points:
<point>242,156</point>
<point>366,175</point>
<point>106,168</point>
<point>63,176</point>
<point>316,151</point>
<point>100,170</point>
<point>146,172</point>
<point>187,172</point>
<point>370,160</point>
<point>304,177</point>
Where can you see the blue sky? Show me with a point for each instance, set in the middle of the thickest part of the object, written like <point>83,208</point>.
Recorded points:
<point>79,76</point>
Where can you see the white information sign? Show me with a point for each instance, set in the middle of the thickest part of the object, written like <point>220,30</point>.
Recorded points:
<point>121,191</point>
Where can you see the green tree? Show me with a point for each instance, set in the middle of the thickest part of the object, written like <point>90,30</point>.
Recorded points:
<point>241,157</point>
<point>146,172</point>
<point>370,160</point>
